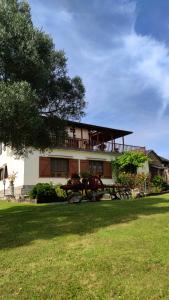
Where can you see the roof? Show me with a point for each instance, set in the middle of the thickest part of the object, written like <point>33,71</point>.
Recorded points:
<point>152,151</point>
<point>164,159</point>
<point>115,133</point>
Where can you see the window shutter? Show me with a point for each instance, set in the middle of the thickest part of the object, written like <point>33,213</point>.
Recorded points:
<point>73,166</point>
<point>107,169</point>
<point>84,166</point>
<point>6,172</point>
<point>44,167</point>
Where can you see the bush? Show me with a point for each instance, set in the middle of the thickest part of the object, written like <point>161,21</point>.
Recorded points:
<point>133,180</point>
<point>47,192</point>
<point>165,186</point>
<point>60,194</point>
<point>156,189</point>
<point>43,192</point>
<point>158,184</point>
<point>126,179</point>
<point>157,181</point>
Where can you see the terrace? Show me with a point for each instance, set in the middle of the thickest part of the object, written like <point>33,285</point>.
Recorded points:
<point>87,137</point>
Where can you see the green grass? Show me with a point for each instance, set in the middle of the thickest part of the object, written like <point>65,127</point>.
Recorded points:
<point>106,250</point>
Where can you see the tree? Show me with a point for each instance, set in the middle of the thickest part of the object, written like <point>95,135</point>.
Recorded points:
<point>128,162</point>
<point>36,93</point>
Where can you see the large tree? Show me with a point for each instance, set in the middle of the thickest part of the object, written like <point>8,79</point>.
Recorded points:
<point>36,93</point>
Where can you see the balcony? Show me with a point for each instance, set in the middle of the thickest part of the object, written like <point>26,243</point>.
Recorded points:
<point>86,145</point>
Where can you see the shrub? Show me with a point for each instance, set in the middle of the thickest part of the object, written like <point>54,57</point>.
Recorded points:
<point>60,193</point>
<point>127,179</point>
<point>156,189</point>
<point>43,192</point>
<point>157,181</point>
<point>165,186</point>
<point>141,179</point>
<point>133,180</point>
<point>158,184</point>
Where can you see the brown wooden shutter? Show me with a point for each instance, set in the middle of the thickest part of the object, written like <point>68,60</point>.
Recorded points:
<point>44,167</point>
<point>107,169</point>
<point>6,172</point>
<point>73,166</point>
<point>84,166</point>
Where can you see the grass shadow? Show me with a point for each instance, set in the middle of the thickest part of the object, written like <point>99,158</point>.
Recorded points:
<point>21,224</point>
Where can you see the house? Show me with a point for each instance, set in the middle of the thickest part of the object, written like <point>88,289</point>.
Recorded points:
<point>165,162</point>
<point>158,165</point>
<point>85,148</point>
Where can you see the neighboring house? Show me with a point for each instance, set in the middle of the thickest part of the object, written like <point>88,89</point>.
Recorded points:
<point>86,148</point>
<point>158,165</point>
<point>165,162</point>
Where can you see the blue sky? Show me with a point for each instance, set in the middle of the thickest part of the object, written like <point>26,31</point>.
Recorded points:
<point>120,48</point>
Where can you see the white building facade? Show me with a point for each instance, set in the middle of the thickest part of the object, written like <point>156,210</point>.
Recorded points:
<point>87,148</point>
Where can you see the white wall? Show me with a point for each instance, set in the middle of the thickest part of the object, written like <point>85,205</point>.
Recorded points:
<point>31,175</point>
<point>27,169</point>
<point>144,169</point>
<point>78,133</point>
<point>13,165</point>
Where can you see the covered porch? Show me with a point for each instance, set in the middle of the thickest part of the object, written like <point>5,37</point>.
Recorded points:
<point>95,138</point>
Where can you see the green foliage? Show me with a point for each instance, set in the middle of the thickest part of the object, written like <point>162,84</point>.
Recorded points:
<point>115,168</point>
<point>135,158</point>
<point>61,194</point>
<point>47,192</point>
<point>35,89</point>
<point>158,184</point>
<point>43,192</point>
<point>129,162</point>
<point>165,186</point>
<point>157,181</point>
<point>126,179</point>
<point>156,189</point>
<point>133,180</point>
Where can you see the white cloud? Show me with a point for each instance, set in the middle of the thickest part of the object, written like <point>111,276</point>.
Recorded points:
<point>126,74</point>
<point>138,63</point>
<point>151,63</point>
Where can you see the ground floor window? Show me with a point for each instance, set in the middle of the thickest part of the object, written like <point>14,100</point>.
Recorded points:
<point>64,167</point>
<point>96,167</point>
<point>3,173</point>
<point>59,167</point>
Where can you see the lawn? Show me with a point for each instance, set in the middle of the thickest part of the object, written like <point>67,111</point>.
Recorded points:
<point>106,250</point>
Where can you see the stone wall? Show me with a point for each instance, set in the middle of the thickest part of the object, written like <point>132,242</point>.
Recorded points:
<point>19,192</point>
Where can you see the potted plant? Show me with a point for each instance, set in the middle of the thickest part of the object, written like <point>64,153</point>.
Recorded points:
<point>11,179</point>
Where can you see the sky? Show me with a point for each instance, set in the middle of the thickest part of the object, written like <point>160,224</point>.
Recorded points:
<point>120,49</point>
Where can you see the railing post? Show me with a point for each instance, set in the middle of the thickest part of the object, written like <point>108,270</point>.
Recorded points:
<point>114,145</point>
<point>123,143</point>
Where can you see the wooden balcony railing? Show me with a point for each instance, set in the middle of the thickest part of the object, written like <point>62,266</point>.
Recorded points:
<point>84,144</point>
